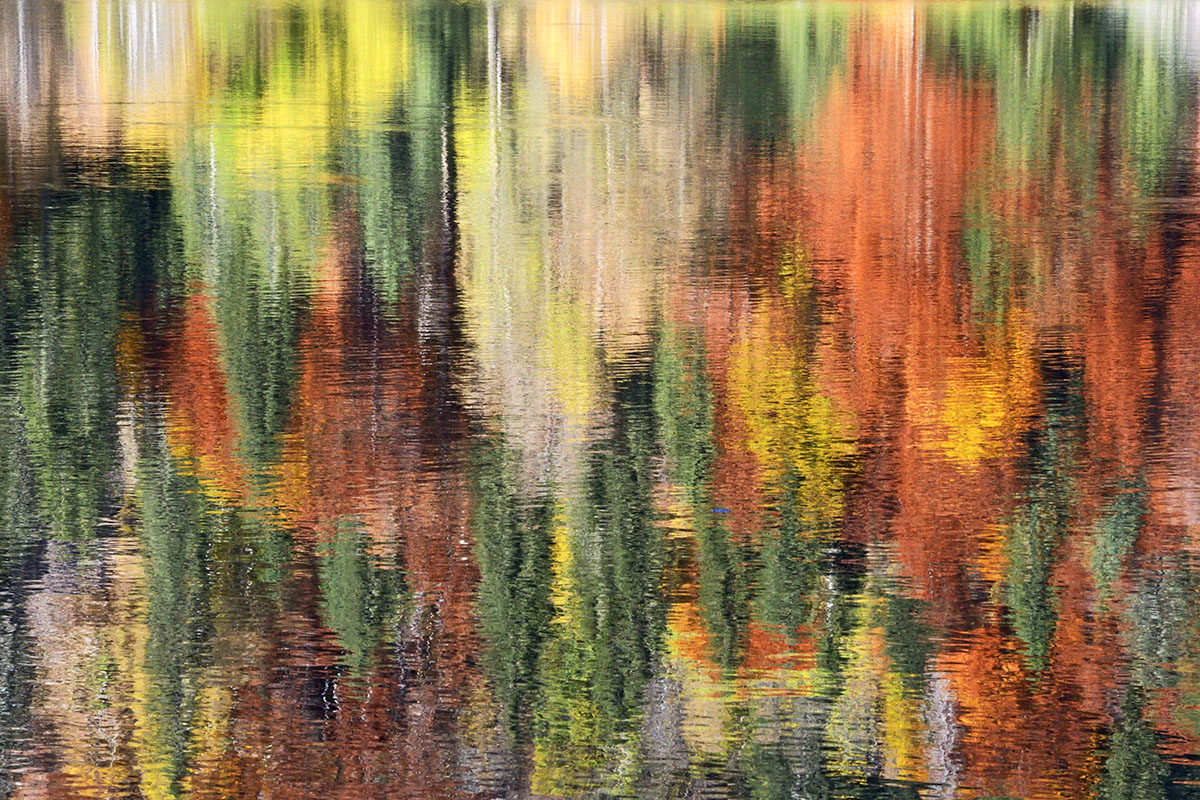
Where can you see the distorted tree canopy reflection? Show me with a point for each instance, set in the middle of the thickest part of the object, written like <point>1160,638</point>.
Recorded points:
<point>592,399</point>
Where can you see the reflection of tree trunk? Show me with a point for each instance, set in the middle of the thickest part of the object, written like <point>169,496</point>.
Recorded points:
<point>438,305</point>
<point>663,746</point>
<point>941,737</point>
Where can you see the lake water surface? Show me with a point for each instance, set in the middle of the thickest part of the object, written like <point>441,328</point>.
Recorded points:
<point>599,399</point>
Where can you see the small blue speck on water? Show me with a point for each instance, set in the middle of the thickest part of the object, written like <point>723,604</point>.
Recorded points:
<point>720,510</point>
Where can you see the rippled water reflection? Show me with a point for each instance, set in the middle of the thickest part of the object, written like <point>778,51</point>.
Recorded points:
<point>599,399</point>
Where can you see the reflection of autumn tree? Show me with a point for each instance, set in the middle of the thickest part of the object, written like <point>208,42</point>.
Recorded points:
<point>941,466</point>
<point>1133,767</point>
<point>1040,522</point>
<point>74,274</point>
<point>875,729</point>
<point>1161,565</point>
<point>254,414</point>
<point>71,278</point>
<point>359,595</point>
<point>800,441</point>
<point>608,561</point>
<point>377,586</point>
<point>69,465</point>
<point>178,534</point>
<point>683,405</point>
<point>554,297</point>
<point>87,667</point>
<point>1072,275</point>
<point>513,536</point>
<point>202,426</point>
<point>359,480</point>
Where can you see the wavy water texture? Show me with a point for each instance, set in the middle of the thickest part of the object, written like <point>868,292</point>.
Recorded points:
<point>599,399</point>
